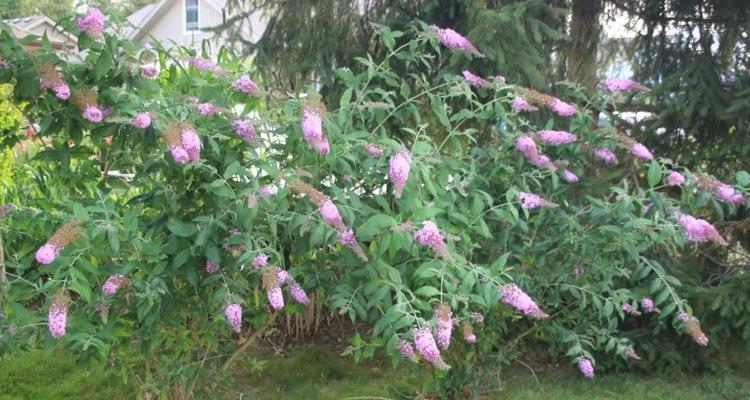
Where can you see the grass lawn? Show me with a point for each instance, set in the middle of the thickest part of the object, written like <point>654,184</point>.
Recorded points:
<point>315,372</point>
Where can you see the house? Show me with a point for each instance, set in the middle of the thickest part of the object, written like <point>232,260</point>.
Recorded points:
<point>184,23</point>
<point>38,25</point>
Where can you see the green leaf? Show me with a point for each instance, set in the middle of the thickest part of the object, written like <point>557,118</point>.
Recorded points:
<point>374,225</point>
<point>180,228</point>
<point>427,291</point>
<point>346,98</point>
<point>654,173</point>
<point>103,64</point>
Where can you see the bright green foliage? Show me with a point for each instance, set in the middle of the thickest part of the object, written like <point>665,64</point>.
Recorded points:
<point>158,222</point>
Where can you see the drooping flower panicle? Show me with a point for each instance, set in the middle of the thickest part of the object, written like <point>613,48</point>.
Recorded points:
<point>675,179</point>
<point>312,128</point>
<point>246,85</point>
<point>700,230</point>
<point>233,312</point>
<point>453,40</point>
<point>562,108</point>
<point>407,350</point>
<point>521,105</point>
<point>244,129</point>
<point>113,284</point>
<point>444,322</point>
<point>92,23</point>
<point>518,299</point>
<point>142,120</point>
<point>530,201</point>
<point>641,151</point>
<point>430,236</point>
<point>605,155</point>
<point>57,315</point>
<point>398,171</point>
<point>476,80</point>
<point>556,137</point>
<point>617,85</point>
<point>586,367</point>
<point>427,348</point>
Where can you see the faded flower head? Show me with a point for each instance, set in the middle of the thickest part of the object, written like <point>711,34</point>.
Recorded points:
<point>57,315</point>
<point>444,319</point>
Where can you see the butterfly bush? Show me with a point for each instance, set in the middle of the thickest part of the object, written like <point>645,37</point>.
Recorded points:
<point>139,209</point>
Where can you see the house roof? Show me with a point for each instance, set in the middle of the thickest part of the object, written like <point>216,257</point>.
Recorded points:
<point>24,26</point>
<point>147,15</point>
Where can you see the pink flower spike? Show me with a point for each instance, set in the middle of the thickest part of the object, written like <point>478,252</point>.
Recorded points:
<point>444,319</point>
<point>142,120</point>
<point>556,137</point>
<point>430,236</point>
<point>453,40</point>
<point>57,318</point>
<point>477,81</point>
<point>298,294</point>
<point>374,150</point>
<point>92,23</point>
<point>605,155</point>
<point>62,92</point>
<point>398,171</point>
<point>330,213</point>
<point>586,367</point>
<point>428,349</point>
<point>641,151</point>
<point>244,129</point>
<point>562,108</point>
<point>729,194</point>
<point>246,85</point>
<point>275,298</point>
<point>699,230</point>
<point>520,105</point>
<point>569,176</point>
<point>526,146</point>
<point>211,267</point>
<point>675,179</point>
<point>113,284</point>
<point>617,85</point>
<point>191,142</point>
<point>260,260</point>
<point>518,299</point>
<point>233,312</point>
<point>407,350</point>
<point>93,114</point>
<point>179,155</point>
<point>531,201</point>
<point>46,254</point>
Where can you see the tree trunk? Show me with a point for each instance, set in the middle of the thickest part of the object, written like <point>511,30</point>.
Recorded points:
<point>584,32</point>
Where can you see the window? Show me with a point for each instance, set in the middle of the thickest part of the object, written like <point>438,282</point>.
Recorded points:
<point>191,15</point>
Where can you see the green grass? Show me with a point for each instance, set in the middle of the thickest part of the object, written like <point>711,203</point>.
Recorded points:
<point>318,372</point>
<point>41,376</point>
